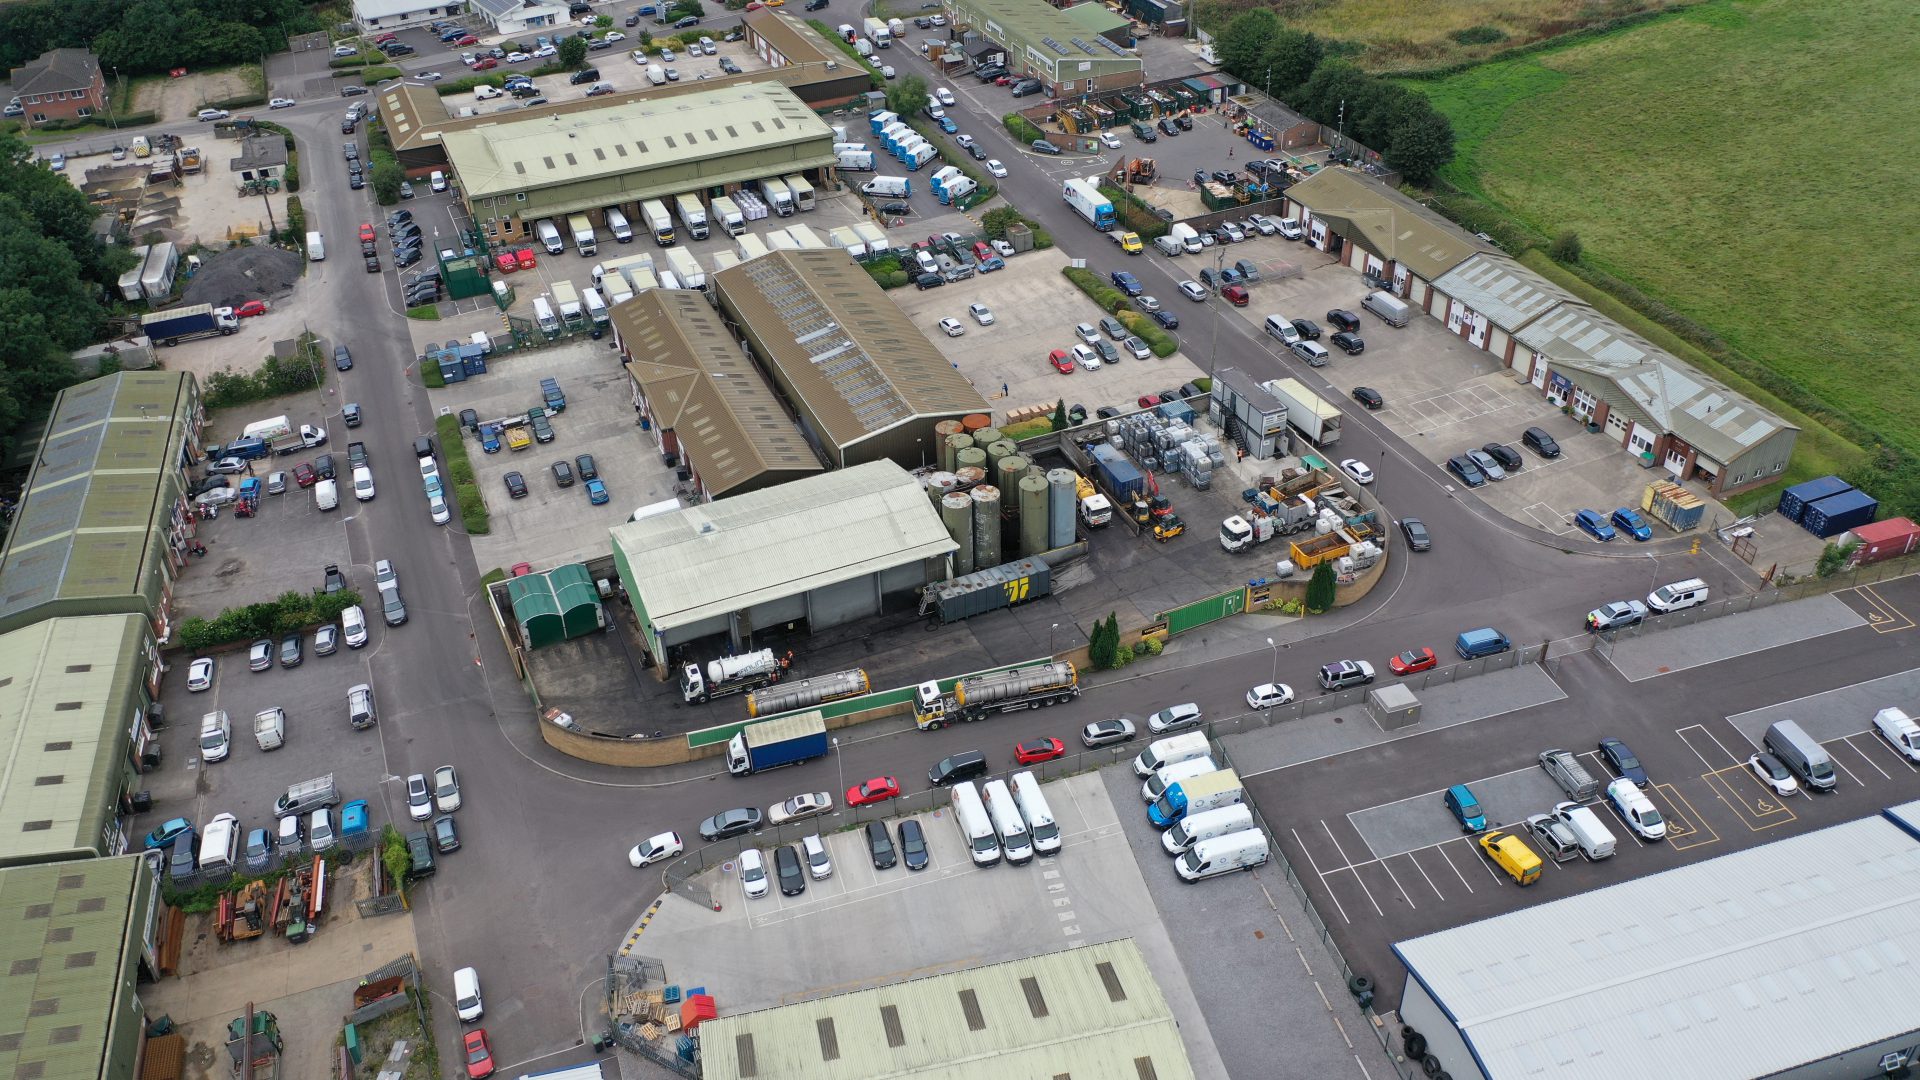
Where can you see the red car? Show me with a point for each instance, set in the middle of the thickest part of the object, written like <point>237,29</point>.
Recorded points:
<point>303,475</point>
<point>1148,401</point>
<point>479,1054</point>
<point>366,232</point>
<point>467,40</point>
<point>485,63</point>
<point>384,38</point>
<point>1413,660</point>
<point>250,309</point>
<point>1036,750</point>
<point>878,789</point>
<point>1061,362</point>
<point>1235,295</point>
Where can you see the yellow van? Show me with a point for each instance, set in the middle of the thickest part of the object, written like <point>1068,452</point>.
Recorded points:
<point>1511,854</point>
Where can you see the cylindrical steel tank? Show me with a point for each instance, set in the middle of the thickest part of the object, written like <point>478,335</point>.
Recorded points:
<point>948,427</point>
<point>987,436</point>
<point>998,449</point>
<point>940,483</point>
<point>1011,469</point>
<point>1062,504</point>
<point>1034,524</point>
<point>976,421</point>
<point>952,445</point>
<point>956,513</point>
<point>970,475</point>
<point>986,526</point>
<point>972,456</point>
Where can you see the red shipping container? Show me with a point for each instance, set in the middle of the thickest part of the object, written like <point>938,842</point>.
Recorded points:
<point>696,1008</point>
<point>1885,540</point>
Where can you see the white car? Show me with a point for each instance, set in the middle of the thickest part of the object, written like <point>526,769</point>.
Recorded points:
<point>200,674</point>
<point>1109,140</point>
<point>614,35</point>
<point>935,112</point>
<point>419,799</point>
<point>1194,291</point>
<point>353,626</point>
<point>1173,718</point>
<point>1773,774</point>
<point>666,55</point>
<point>981,313</point>
<point>1086,357</point>
<point>545,51</point>
<point>345,50</point>
<point>963,140</point>
<point>943,95</point>
<point>640,57</point>
<point>429,472</point>
<point>800,806</point>
<point>1358,470</point>
<point>518,58</point>
<point>753,873</point>
<point>1636,809</point>
<point>430,76</point>
<point>384,575</point>
<point>213,114</point>
<point>1003,249</point>
<point>952,327</point>
<point>653,849</point>
<point>446,789</point>
<point>281,103</point>
<point>362,483</point>
<point>437,508</point>
<point>886,71</point>
<point>938,20</point>
<point>1268,695</point>
<point>1147,304</point>
<point>1262,224</point>
<point>996,168</point>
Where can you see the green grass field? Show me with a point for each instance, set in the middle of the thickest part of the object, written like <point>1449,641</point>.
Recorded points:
<point>1426,35</point>
<point>1731,161</point>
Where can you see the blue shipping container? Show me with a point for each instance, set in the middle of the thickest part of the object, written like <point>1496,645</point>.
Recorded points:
<point>1794,500</point>
<point>1836,514</point>
<point>1122,476</point>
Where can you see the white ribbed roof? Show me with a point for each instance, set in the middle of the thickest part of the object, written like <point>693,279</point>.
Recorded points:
<point>1735,967</point>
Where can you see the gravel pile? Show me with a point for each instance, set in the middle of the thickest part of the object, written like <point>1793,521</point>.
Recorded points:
<point>240,274</point>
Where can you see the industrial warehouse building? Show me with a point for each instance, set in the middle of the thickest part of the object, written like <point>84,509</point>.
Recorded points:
<point>825,550</point>
<point>708,409</point>
<point>865,383</point>
<point>521,16</point>
<point>1654,406</point>
<point>792,48</point>
<point>513,172</point>
<point>1093,1011</point>
<point>104,519</point>
<point>1789,960</point>
<point>1080,50</point>
<point>74,939</point>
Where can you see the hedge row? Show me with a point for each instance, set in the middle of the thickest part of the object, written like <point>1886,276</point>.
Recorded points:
<point>373,75</point>
<point>289,613</point>
<point>1115,303</point>
<point>1158,340</point>
<point>1022,129</point>
<point>1137,213</point>
<point>888,272</point>
<point>466,490</point>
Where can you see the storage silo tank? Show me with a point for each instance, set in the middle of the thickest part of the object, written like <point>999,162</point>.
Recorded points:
<point>987,436</point>
<point>956,513</point>
<point>948,427</point>
<point>971,457</point>
<point>970,475</point>
<point>1034,522</point>
<point>1062,503</point>
<point>986,527</point>
<point>940,483</point>
<point>1009,472</point>
<point>976,421</point>
<point>952,446</point>
<point>997,450</point>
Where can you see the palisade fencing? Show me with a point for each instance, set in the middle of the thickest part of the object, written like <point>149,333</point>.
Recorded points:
<point>1803,589</point>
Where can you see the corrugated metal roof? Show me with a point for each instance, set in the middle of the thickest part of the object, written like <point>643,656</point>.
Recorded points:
<point>92,521</point>
<point>68,689</point>
<point>1716,420</point>
<point>1091,1013</point>
<point>1386,222</point>
<point>796,42</point>
<point>1044,34</point>
<point>1739,966</point>
<point>62,947</point>
<point>655,132</point>
<point>721,557</point>
<point>853,359</point>
<point>1504,291</point>
<point>701,385</point>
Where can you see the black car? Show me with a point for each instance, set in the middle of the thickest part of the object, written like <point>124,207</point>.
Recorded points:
<point>180,864</point>
<point>1507,456</point>
<point>373,264</point>
<point>727,823</point>
<point>470,419</point>
<point>815,5</point>
<point>973,150</point>
<point>342,359</point>
<point>899,208</point>
<point>633,20</point>
<point>1168,127</point>
<point>786,866</point>
<point>880,845</point>
<point>1540,442</point>
<point>1343,319</point>
<point>584,75</point>
<point>346,127</point>
<point>1308,329</point>
<point>356,180</point>
<point>1351,344</point>
<point>691,20</point>
<point>1368,396</point>
<point>290,650</point>
<point>404,259</point>
<point>323,466</point>
<point>913,845</point>
<point>1185,122</point>
<point>1463,467</point>
<point>352,91</point>
<point>1042,146</point>
<point>350,412</point>
<point>208,483</point>
<point>1028,86</point>
<point>1167,320</point>
<point>516,485</point>
<point>563,474</point>
<point>1416,533</point>
<point>397,48</point>
<point>1106,412</point>
<point>929,281</point>
<point>583,466</point>
<point>446,836</point>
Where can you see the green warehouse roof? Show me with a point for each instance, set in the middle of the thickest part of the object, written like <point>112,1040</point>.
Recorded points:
<point>555,605</point>
<point>66,934</point>
<point>1037,33</point>
<point>68,691</point>
<point>90,534</point>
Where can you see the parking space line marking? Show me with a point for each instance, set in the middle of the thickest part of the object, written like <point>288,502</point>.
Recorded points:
<point>1844,769</point>
<point>1349,866</point>
<point>1702,728</point>
<point>1887,748</point>
<point>1864,756</point>
<point>1395,878</point>
<point>1442,848</point>
<point>1424,874</point>
<point>1750,809</point>
<point>1687,825</point>
<point>1338,906</point>
<point>1883,616</point>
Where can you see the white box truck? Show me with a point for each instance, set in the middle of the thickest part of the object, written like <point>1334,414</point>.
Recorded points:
<point>614,267</point>
<point>774,191</point>
<point>876,238</point>
<point>584,240</point>
<point>802,191</point>
<point>878,33</point>
<point>544,317</point>
<point>751,247</point>
<point>596,307</point>
<point>729,215</point>
<point>617,225</point>
<point>692,215</point>
<point>686,268</point>
<point>655,212</point>
<point>805,236</point>
<point>549,235</point>
<point>568,301</point>
<point>844,238</point>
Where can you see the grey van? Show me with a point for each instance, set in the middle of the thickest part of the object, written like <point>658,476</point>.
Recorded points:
<point>1802,754</point>
<point>1573,777</point>
<point>1485,641</point>
<point>962,766</point>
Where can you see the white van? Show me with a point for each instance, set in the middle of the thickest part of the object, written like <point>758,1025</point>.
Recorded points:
<point>617,224</point>
<point>1595,839</point>
<point>1033,806</point>
<point>1898,729</point>
<point>1014,839</point>
<point>220,846</point>
<point>326,495</point>
<point>437,181</point>
<point>1281,329</point>
<point>270,728</point>
<point>1158,783</point>
<point>1206,825</point>
<point>543,315</point>
<point>1167,245</point>
<point>1389,307</point>
<point>1680,594</point>
<point>466,995</point>
<point>976,831</point>
<point>316,247</point>
<point>549,235</point>
<point>1243,850</point>
<point>1168,751</point>
<point>1189,239</point>
<point>216,736</point>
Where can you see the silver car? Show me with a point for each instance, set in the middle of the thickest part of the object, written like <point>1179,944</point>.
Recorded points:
<point>1487,464</point>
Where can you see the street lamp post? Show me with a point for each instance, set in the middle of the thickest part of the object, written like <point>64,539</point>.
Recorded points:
<point>1274,675</point>
<point>1051,631</point>
<point>838,764</point>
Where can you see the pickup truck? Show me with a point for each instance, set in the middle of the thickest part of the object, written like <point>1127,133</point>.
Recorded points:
<point>336,581</point>
<point>356,455</point>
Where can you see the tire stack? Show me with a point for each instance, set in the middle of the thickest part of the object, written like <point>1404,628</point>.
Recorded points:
<point>1415,1045</point>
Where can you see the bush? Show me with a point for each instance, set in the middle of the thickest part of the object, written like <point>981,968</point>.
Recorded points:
<point>1565,248</point>
<point>285,614</point>
<point>395,857</point>
<point>291,178</point>
<point>386,178</point>
<point>356,60</point>
<point>1109,298</point>
<point>1136,214</point>
<point>466,85</point>
<point>302,371</point>
<point>1027,429</point>
<point>1022,129</point>
<point>296,219</point>
<point>466,490</point>
<point>375,74</point>
<point>1320,589</point>
<point>1158,340</point>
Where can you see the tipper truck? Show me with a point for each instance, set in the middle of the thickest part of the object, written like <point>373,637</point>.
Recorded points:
<point>786,740</point>
<point>1306,413</point>
<point>692,215</point>
<point>1029,686</point>
<point>1209,791</point>
<point>1095,509</point>
<point>176,325</point>
<point>732,675</point>
<point>807,693</point>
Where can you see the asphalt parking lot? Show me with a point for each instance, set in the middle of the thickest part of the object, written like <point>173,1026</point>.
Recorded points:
<point>552,524</point>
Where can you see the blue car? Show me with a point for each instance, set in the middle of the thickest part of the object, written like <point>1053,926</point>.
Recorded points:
<point>1594,525</point>
<point>947,125</point>
<point>1126,283</point>
<point>1167,319</point>
<point>596,492</point>
<point>1623,761</point>
<point>168,832</point>
<point>1629,521</point>
<point>1466,809</point>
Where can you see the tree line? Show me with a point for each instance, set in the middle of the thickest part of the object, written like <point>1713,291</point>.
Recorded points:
<point>1411,135</point>
<point>153,35</point>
